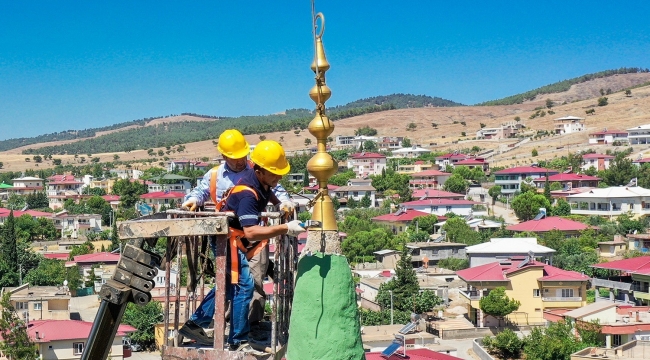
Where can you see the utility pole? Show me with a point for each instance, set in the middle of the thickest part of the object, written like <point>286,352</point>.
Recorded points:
<point>391,306</point>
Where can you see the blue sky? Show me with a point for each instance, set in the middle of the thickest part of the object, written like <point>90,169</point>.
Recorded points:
<point>81,64</point>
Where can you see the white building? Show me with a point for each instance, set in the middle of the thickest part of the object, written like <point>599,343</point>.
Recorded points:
<point>367,163</point>
<point>442,206</point>
<point>569,124</point>
<point>357,193</point>
<point>607,137</point>
<point>510,179</point>
<point>126,173</point>
<point>597,161</point>
<point>410,152</point>
<point>639,135</point>
<point>353,141</point>
<point>611,201</point>
<point>502,248</point>
<point>27,185</point>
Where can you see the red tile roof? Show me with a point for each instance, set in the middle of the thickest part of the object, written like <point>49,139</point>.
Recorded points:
<point>433,194</point>
<point>452,156</point>
<point>110,198</point>
<point>636,264</point>
<point>53,330</point>
<point>497,271</point>
<point>430,173</point>
<point>315,187</point>
<point>438,202</point>
<point>162,195</point>
<point>476,161</point>
<point>63,180</point>
<point>367,155</point>
<point>407,215</point>
<point>17,213</point>
<point>548,224</point>
<point>526,170</point>
<point>641,161</point>
<point>412,354</point>
<point>567,177</point>
<point>56,256</point>
<point>102,257</point>
<point>597,156</point>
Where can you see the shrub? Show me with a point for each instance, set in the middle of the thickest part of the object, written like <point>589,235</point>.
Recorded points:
<point>602,101</point>
<point>506,345</point>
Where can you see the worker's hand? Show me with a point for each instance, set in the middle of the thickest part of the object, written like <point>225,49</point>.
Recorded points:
<point>287,207</point>
<point>190,204</point>
<point>294,228</point>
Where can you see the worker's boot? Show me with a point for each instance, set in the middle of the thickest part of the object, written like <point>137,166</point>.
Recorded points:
<point>194,332</point>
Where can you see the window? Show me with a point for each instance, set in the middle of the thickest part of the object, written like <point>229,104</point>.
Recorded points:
<point>38,306</point>
<point>448,209</point>
<point>616,339</point>
<point>78,348</point>
<point>20,305</point>
<point>535,292</point>
<point>567,292</point>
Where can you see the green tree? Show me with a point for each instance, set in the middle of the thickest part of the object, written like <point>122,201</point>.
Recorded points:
<point>359,246</point>
<point>411,126</point>
<point>453,264</point>
<point>143,318</point>
<point>406,142</point>
<point>494,193</point>
<point>9,252</point>
<point>15,343</point>
<point>506,345</point>
<point>547,189</point>
<point>498,304</point>
<point>562,208</point>
<point>602,101</point>
<point>37,200</point>
<point>370,146</point>
<point>94,191</point>
<point>620,172</point>
<point>83,249</point>
<point>365,131</point>
<point>425,223</point>
<point>526,206</point>
<point>556,342</point>
<point>365,201</point>
<point>307,141</point>
<point>456,184</point>
<point>534,153</point>
<point>549,103</point>
<point>129,192</point>
<point>628,92</point>
<point>15,202</point>
<point>457,230</point>
<point>49,272</point>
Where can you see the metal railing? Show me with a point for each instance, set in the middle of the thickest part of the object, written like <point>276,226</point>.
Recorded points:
<point>560,298</point>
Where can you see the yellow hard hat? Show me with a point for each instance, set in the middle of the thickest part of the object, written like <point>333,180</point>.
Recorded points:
<point>269,155</point>
<point>233,144</point>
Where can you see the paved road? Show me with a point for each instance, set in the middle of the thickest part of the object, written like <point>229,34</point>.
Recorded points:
<point>143,355</point>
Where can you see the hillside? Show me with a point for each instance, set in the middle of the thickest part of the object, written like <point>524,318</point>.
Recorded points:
<point>621,113</point>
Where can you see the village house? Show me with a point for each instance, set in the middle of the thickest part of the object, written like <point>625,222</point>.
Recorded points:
<point>40,302</point>
<point>426,254</point>
<point>169,183</point>
<point>105,261</point>
<point>597,161</point>
<point>62,187</point>
<point>537,286</point>
<point>388,143</point>
<point>639,135</point>
<point>641,161</point>
<point>619,323</point>
<point>74,225</point>
<point>126,173</point>
<point>159,198</point>
<point>428,179</point>
<point>504,131</point>
<point>356,192</point>
<point>365,164</point>
<point>607,137</point>
<point>182,164</point>
<point>476,224</point>
<point>410,152</point>
<point>450,159</point>
<point>428,193</point>
<point>611,201</point>
<point>569,124</point>
<point>628,280</point>
<point>67,339</point>
<point>440,207</point>
<point>510,179</point>
<point>417,166</point>
<point>399,221</point>
<point>476,162</point>
<point>27,185</point>
<point>549,223</point>
<point>568,181</point>
<point>503,248</point>
<point>4,214</point>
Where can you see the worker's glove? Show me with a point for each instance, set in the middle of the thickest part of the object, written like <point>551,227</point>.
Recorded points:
<point>287,208</point>
<point>294,228</point>
<point>190,204</point>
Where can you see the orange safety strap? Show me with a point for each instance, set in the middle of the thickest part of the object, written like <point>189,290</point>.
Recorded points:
<point>234,241</point>
<point>256,249</point>
<point>213,185</point>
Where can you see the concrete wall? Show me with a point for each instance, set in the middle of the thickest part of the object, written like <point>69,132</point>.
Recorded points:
<point>480,351</point>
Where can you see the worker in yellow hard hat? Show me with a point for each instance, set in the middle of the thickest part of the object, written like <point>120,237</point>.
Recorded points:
<point>235,149</point>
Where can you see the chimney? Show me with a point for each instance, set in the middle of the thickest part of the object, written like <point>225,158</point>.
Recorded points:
<point>37,338</point>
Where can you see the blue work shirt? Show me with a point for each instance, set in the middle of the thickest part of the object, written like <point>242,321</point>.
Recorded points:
<point>226,178</point>
<point>245,205</point>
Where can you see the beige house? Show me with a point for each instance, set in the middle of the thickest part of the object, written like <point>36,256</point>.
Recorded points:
<point>40,302</point>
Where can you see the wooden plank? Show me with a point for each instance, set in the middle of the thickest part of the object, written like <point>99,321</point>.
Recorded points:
<point>173,227</point>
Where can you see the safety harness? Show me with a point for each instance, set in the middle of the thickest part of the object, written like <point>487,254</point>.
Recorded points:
<point>235,235</point>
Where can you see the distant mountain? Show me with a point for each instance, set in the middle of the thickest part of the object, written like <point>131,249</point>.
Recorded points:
<point>559,86</point>
<point>171,133</point>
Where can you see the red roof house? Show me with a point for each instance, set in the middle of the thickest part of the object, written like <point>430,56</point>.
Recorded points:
<point>550,223</point>
<point>412,354</point>
<point>94,258</point>
<point>434,194</point>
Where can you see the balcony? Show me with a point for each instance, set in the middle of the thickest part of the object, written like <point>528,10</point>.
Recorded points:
<point>560,298</point>
<point>471,294</point>
<point>610,284</point>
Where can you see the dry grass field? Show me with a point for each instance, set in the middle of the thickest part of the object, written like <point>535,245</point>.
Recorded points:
<point>622,112</point>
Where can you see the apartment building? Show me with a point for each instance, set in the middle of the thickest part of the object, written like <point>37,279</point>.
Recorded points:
<point>40,302</point>
<point>639,135</point>
<point>611,201</point>
<point>367,163</point>
<point>27,185</point>
<point>510,179</point>
<point>597,161</point>
<point>428,179</point>
<point>569,124</point>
